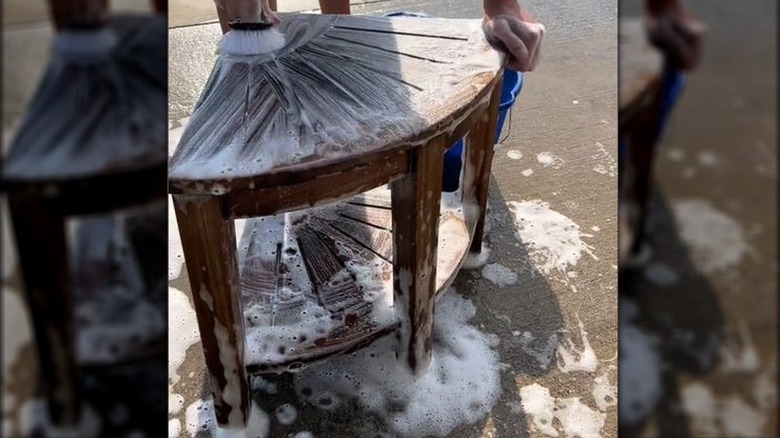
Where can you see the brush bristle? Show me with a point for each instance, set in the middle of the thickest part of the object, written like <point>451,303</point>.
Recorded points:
<point>251,42</point>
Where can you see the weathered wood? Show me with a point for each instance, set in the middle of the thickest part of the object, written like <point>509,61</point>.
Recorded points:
<point>430,106</point>
<point>209,244</point>
<point>360,175</point>
<point>42,245</point>
<point>482,138</point>
<point>416,205</point>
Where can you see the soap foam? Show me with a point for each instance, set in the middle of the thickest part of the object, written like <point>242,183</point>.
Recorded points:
<point>286,414</point>
<point>640,365</point>
<point>499,275</point>
<point>477,261</point>
<point>553,240</point>
<point>572,359</point>
<point>575,418</point>
<point>716,240</point>
<point>548,159</point>
<point>202,419</point>
<point>460,387</point>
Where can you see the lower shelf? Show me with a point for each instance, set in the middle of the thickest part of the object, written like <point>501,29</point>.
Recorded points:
<point>320,282</point>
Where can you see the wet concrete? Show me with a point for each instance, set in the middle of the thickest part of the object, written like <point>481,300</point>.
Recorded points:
<point>710,296</point>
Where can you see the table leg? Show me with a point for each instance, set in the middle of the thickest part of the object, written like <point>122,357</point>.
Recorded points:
<point>43,254</point>
<point>641,158</point>
<point>209,244</point>
<point>415,207</point>
<point>479,154</point>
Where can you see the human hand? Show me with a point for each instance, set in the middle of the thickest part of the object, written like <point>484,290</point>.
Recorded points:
<point>512,29</point>
<point>676,32</point>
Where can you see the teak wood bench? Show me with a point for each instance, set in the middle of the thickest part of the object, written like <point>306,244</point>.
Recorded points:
<point>376,201</point>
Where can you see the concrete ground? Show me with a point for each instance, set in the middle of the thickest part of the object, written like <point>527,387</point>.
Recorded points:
<point>557,328</point>
<point>709,291</point>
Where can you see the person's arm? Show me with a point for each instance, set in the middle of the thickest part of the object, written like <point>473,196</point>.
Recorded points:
<point>515,31</point>
<point>675,31</point>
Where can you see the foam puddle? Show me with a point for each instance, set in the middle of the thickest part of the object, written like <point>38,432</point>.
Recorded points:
<point>547,159</point>
<point>200,418</point>
<point>499,275</point>
<point>461,386</point>
<point>717,242</point>
<point>575,418</point>
<point>641,367</point>
<point>553,240</point>
<point>572,359</point>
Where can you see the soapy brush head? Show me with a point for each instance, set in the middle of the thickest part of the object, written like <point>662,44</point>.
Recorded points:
<point>256,38</point>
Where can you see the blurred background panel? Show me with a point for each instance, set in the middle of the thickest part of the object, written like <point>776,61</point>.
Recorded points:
<point>116,258</point>
<point>698,304</point>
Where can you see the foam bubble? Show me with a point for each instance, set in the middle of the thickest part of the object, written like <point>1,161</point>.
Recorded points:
<point>286,414</point>
<point>640,365</point>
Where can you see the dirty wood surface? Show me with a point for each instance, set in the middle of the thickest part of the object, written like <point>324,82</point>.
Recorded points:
<point>433,72</point>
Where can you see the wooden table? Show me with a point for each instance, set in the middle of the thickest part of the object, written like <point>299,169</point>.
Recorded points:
<point>71,160</point>
<point>346,217</point>
<point>641,71</point>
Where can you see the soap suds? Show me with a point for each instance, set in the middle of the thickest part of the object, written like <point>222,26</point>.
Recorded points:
<point>572,359</point>
<point>575,418</point>
<point>514,154</point>
<point>202,419</point>
<point>540,349</point>
<point>527,172</point>
<point>286,414</point>
<point>460,387</point>
<point>661,275</point>
<point>175,251</point>
<point>553,240</point>
<point>716,240</point>
<point>499,275</point>
<point>174,428</point>
<point>604,392</point>
<point>539,405</point>
<point>640,365</point>
<point>477,261</point>
<point>547,159</point>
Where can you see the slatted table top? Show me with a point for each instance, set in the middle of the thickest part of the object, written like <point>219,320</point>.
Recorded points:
<point>641,65</point>
<point>342,87</point>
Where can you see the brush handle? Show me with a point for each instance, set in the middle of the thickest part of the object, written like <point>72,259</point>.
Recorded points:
<point>237,25</point>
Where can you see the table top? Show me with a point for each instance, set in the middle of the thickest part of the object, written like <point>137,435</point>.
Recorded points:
<point>640,65</point>
<point>342,87</point>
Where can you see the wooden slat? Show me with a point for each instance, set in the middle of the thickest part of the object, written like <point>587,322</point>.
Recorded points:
<point>379,241</point>
<point>377,217</point>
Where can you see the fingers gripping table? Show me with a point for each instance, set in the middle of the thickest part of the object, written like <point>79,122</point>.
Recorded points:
<point>335,146</point>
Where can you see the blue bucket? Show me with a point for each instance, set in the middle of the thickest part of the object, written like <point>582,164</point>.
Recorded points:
<point>512,83</point>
